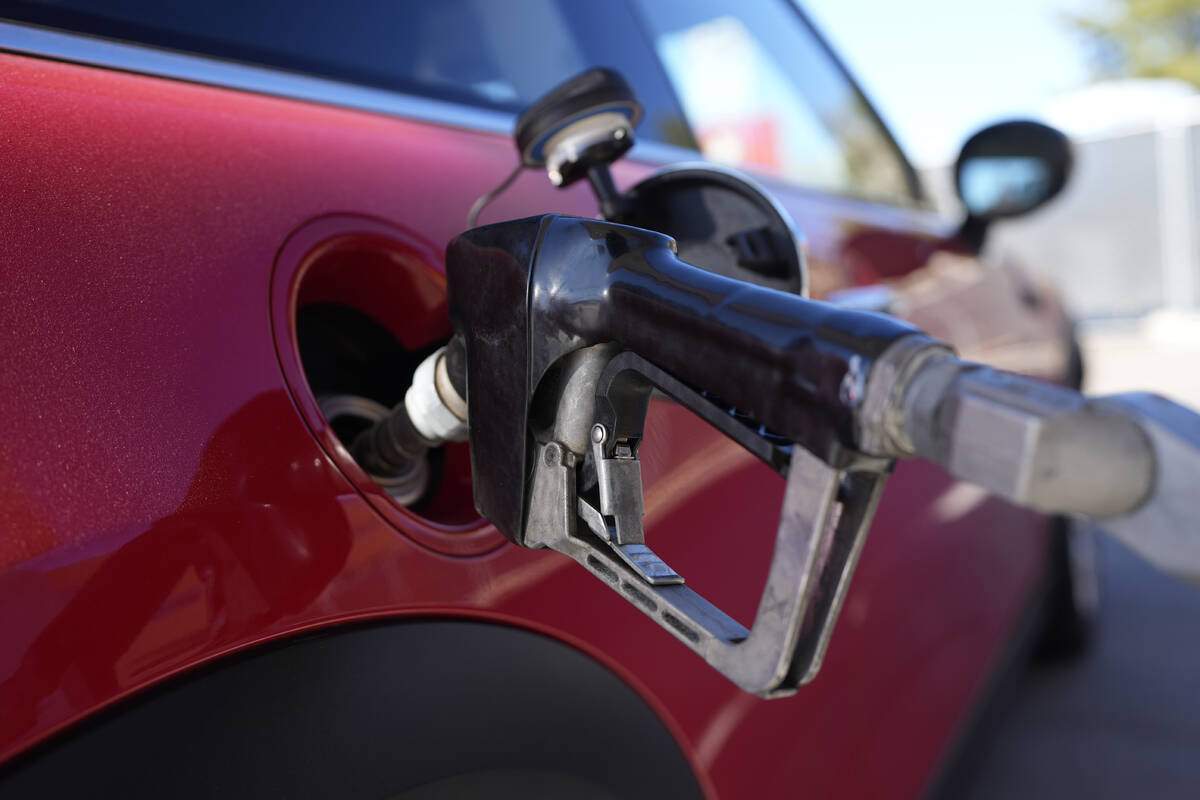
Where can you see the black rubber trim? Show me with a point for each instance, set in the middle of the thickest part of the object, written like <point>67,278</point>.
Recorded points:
<point>412,709</point>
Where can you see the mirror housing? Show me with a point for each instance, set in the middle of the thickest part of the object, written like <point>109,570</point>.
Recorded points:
<point>1009,169</point>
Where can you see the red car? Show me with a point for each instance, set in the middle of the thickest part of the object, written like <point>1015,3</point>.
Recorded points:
<point>223,234</point>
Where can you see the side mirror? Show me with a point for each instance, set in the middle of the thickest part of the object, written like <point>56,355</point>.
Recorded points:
<point>1009,169</point>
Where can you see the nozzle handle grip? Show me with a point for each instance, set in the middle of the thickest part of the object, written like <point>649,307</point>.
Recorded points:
<point>524,294</point>
<point>797,366</point>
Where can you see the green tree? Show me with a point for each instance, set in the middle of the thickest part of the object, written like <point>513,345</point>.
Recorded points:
<point>1143,39</point>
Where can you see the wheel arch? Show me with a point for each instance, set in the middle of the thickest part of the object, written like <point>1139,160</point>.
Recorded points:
<point>374,710</point>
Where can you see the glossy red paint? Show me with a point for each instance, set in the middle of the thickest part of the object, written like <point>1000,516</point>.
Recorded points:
<point>167,497</point>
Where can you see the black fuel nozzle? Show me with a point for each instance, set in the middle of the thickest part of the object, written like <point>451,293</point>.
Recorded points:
<point>570,325</point>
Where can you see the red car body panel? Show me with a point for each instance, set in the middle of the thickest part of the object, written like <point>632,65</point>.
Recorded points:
<point>169,494</point>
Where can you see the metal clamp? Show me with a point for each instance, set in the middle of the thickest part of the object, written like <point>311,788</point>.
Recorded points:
<point>618,520</point>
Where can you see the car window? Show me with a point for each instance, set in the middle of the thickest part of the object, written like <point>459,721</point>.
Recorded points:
<point>762,92</point>
<point>500,55</point>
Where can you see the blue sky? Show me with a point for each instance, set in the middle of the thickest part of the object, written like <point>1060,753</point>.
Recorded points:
<point>937,70</point>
